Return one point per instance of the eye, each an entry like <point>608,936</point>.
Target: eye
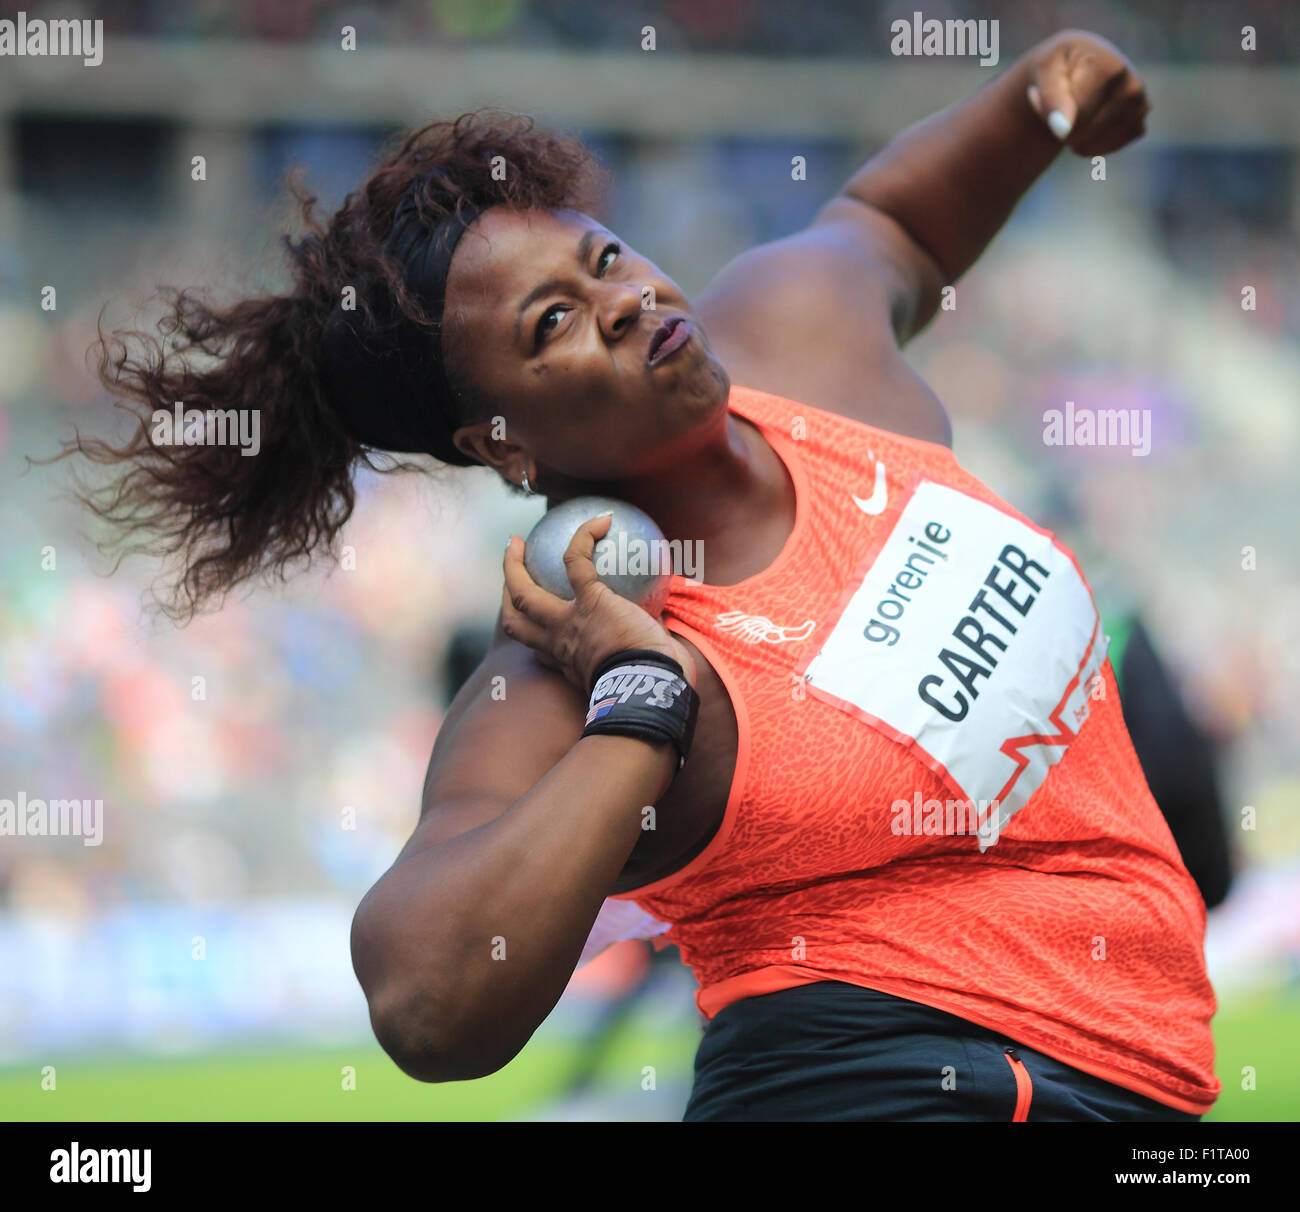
<point>544,328</point>
<point>605,252</point>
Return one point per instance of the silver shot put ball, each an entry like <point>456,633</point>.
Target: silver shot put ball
<point>632,559</point>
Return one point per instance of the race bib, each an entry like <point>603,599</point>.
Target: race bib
<point>973,638</point>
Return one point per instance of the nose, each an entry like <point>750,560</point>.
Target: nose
<point>619,309</point>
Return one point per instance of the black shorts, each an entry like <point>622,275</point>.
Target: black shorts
<point>835,1051</point>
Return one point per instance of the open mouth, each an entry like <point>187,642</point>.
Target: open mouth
<point>667,339</point>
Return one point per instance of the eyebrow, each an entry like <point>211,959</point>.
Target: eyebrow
<point>551,285</point>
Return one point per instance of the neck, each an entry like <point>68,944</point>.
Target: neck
<point>730,492</point>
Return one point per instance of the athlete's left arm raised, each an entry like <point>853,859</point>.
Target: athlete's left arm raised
<point>947,185</point>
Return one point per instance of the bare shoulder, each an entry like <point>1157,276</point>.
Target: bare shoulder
<point>820,317</point>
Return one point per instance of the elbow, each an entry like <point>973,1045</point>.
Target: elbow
<point>422,1048</point>
<point>415,1050</point>
<point>403,1018</point>
<point>422,1020</point>
<point>432,1038</point>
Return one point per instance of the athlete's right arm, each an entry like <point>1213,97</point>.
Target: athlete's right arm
<point>466,943</point>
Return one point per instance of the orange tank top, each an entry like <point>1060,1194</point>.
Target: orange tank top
<point>935,794</point>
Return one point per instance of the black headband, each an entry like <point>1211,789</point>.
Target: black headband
<point>389,387</point>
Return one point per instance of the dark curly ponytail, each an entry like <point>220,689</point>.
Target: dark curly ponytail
<point>225,517</point>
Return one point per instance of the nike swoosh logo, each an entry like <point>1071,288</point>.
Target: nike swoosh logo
<point>880,494</point>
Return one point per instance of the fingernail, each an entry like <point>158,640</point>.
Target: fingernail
<point>1060,124</point>
<point>609,513</point>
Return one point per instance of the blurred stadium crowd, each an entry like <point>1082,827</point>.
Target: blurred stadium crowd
<point>260,768</point>
<point>1160,29</point>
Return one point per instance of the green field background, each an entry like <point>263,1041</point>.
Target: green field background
<point>307,1085</point>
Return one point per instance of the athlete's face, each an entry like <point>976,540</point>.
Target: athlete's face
<point>554,320</point>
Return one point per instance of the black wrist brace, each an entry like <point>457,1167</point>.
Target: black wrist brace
<point>645,694</point>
